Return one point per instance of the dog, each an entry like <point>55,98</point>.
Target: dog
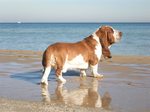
<point>80,55</point>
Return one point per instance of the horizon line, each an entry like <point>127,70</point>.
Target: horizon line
<point>19,22</point>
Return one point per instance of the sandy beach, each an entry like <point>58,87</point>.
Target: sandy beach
<point>124,88</point>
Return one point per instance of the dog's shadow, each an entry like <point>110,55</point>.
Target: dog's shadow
<point>35,76</point>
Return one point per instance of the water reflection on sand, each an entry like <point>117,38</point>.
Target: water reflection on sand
<point>86,94</point>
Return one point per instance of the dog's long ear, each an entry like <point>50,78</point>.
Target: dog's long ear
<point>104,42</point>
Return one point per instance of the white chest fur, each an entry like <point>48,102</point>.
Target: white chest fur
<point>98,51</point>
<point>98,47</point>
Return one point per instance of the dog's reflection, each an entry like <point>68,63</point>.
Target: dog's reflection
<point>86,95</point>
<point>45,93</point>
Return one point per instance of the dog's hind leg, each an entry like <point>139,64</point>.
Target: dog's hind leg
<point>59,75</point>
<point>46,73</point>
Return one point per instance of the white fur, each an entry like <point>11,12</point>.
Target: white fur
<point>94,70</point>
<point>77,62</point>
<point>61,79</point>
<point>116,35</point>
<point>98,49</point>
<point>96,37</point>
<point>82,73</point>
<point>45,75</point>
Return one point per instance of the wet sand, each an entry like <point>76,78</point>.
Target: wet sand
<point>124,88</point>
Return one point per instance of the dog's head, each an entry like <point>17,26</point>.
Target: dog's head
<point>108,36</point>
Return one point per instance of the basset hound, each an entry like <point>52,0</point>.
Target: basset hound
<point>79,55</point>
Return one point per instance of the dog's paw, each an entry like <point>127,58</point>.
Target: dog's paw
<point>61,79</point>
<point>82,74</point>
<point>98,76</point>
<point>44,82</point>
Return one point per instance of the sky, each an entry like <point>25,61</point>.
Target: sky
<point>75,10</point>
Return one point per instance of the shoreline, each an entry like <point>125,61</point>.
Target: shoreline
<point>119,58</point>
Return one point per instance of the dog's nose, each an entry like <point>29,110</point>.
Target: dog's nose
<point>120,34</point>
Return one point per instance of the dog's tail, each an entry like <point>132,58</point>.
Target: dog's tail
<point>45,59</point>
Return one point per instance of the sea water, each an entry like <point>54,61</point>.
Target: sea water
<point>38,36</point>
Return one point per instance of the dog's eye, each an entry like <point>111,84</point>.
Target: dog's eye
<point>110,31</point>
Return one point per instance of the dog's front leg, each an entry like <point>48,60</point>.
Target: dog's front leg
<point>82,73</point>
<point>94,69</point>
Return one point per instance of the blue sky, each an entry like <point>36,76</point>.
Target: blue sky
<point>75,10</point>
